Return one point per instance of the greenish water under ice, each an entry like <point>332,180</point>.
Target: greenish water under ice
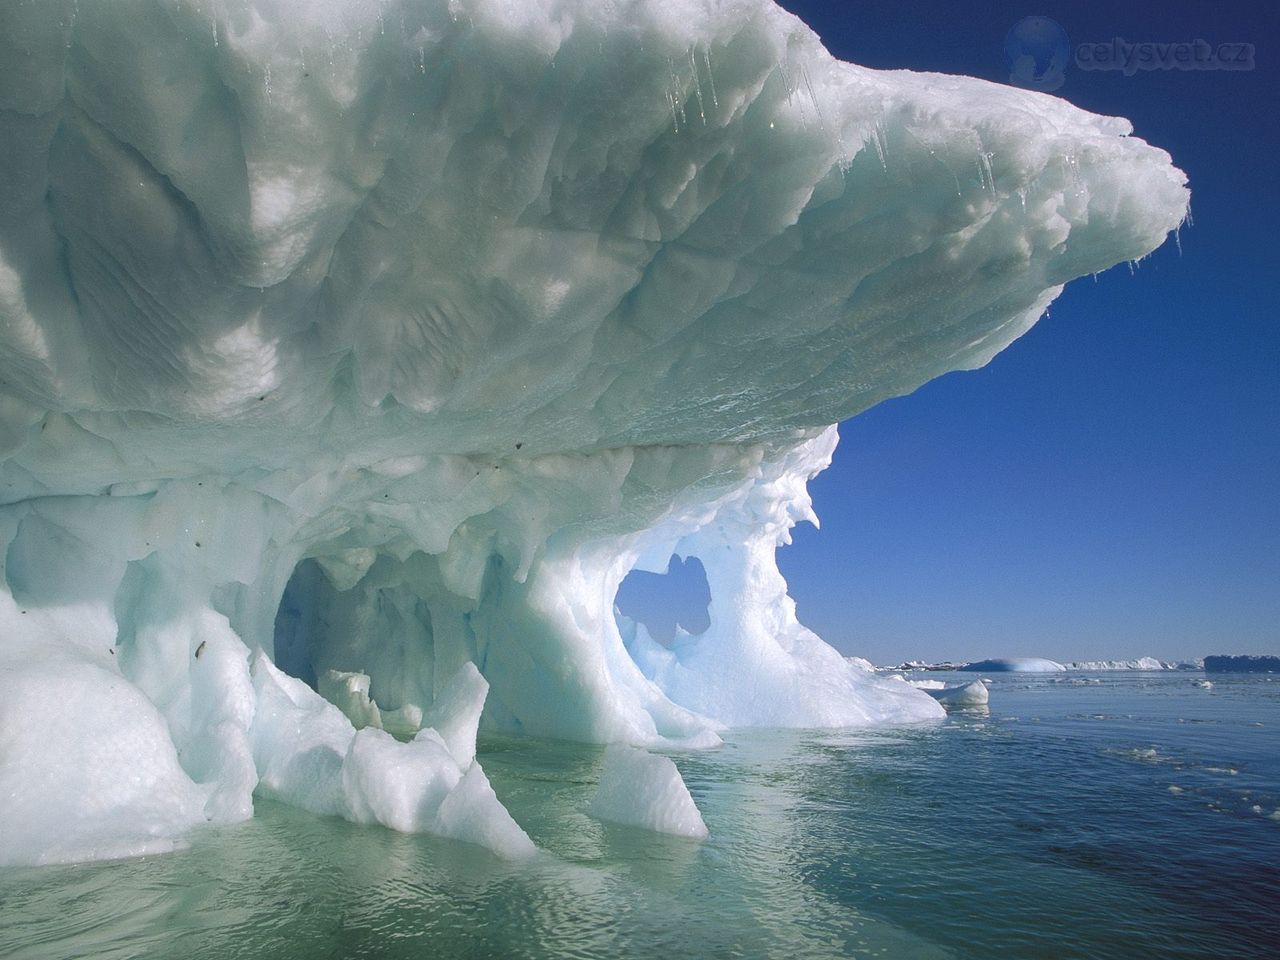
<point>1094,816</point>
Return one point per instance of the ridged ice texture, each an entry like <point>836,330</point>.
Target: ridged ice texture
<point>387,337</point>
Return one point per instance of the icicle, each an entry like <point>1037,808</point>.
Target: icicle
<point>877,140</point>
<point>985,173</point>
<point>676,100</point>
<point>808,85</point>
<point>711,80</point>
<point>697,87</point>
<point>786,80</point>
<point>1073,164</point>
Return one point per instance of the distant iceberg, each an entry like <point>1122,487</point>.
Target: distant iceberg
<point>1242,664</point>
<point>1014,665</point>
<point>1141,663</point>
<point>371,345</point>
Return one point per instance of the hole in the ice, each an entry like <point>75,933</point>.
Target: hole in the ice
<point>664,601</point>
<point>297,624</point>
<point>354,629</point>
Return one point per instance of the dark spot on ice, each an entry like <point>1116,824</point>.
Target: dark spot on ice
<point>197,543</point>
<point>264,397</point>
<point>519,445</point>
<point>24,611</point>
<point>200,649</point>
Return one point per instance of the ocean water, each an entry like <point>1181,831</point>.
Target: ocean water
<point>1088,816</point>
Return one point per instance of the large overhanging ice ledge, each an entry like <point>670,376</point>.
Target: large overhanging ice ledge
<point>371,345</point>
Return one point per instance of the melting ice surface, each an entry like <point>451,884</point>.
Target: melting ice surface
<point>382,340</point>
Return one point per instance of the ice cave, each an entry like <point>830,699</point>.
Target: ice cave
<point>352,352</point>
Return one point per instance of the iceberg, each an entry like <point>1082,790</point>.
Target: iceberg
<point>1014,665</point>
<point>1224,663</point>
<point>367,345</point>
<point>1140,663</point>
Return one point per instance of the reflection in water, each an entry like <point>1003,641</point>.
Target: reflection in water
<point>1046,829</point>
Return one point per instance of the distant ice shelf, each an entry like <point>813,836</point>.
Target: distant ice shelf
<point>365,347</point>
<point>1014,665</point>
<point>1140,663</point>
<point>1042,665</point>
<point>1221,663</point>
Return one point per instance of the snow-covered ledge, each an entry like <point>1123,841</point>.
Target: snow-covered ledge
<point>365,347</point>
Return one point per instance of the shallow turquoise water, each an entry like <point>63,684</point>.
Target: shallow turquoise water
<point>1138,816</point>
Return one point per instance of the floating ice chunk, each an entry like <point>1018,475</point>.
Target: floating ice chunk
<point>472,813</point>
<point>927,685</point>
<point>309,754</point>
<point>961,697</point>
<point>349,692</point>
<point>642,789</point>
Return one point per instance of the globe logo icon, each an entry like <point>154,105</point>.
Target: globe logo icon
<point>1037,51</point>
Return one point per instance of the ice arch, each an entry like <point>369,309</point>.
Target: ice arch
<point>476,304</point>
<point>668,602</point>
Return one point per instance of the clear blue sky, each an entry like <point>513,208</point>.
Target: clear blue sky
<point>1109,486</point>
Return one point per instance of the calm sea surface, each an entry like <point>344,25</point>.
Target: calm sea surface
<point>1091,816</point>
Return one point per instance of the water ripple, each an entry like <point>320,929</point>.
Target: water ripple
<point>1114,820</point>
